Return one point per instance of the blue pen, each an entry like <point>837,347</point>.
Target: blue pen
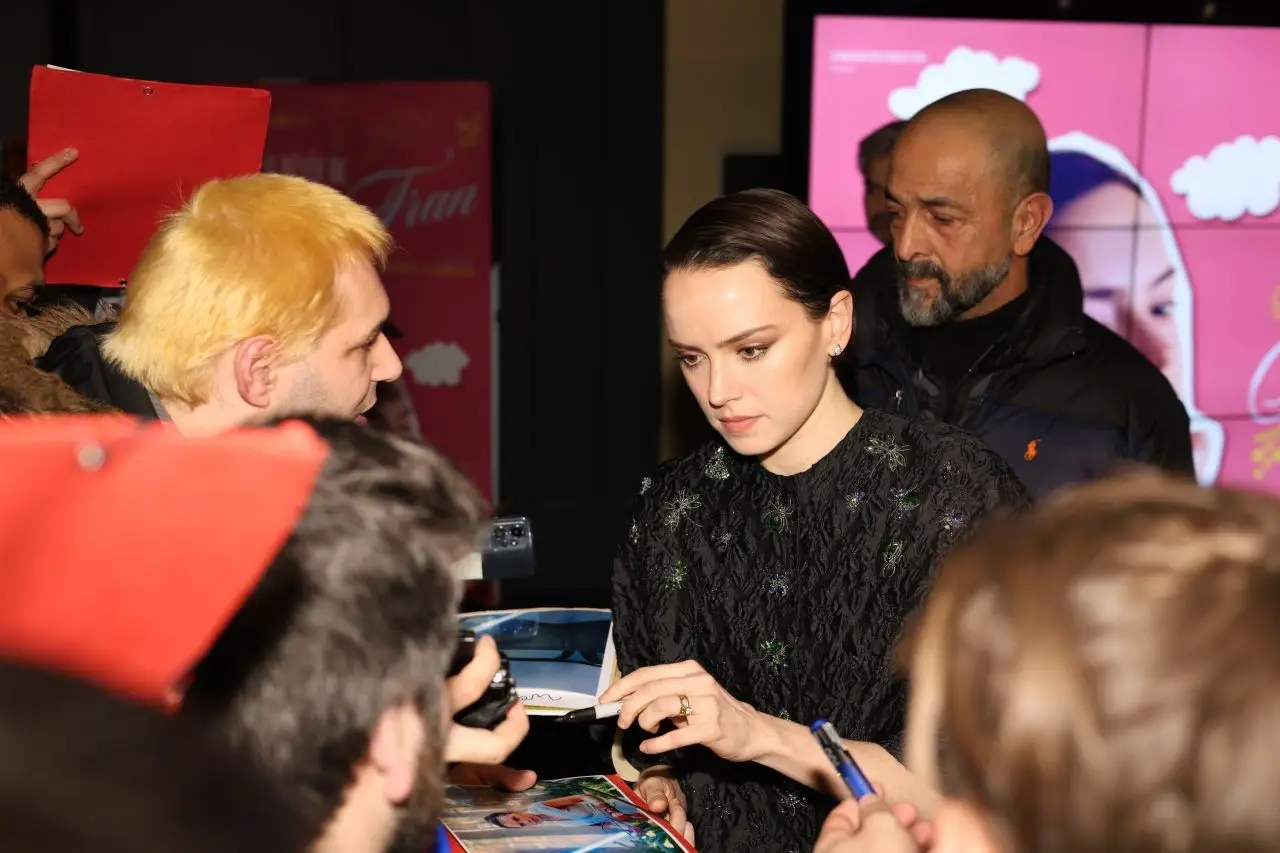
<point>848,769</point>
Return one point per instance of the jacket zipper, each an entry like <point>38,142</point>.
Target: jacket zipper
<point>959,401</point>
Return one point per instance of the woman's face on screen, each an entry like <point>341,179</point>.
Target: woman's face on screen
<point>1130,280</point>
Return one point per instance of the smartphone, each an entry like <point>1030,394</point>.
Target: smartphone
<point>508,549</point>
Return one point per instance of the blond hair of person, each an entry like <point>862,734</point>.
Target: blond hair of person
<point>244,257</point>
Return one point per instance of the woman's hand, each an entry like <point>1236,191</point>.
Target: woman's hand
<point>699,707</point>
<point>662,796</point>
<point>873,826</point>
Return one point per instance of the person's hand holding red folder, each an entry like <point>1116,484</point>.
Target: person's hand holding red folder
<point>62,216</point>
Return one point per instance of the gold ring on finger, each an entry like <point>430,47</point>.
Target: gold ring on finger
<point>685,708</point>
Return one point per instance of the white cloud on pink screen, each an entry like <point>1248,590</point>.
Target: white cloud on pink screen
<point>965,68</point>
<point>1237,177</point>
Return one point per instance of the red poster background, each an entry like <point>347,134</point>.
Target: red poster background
<point>417,154</point>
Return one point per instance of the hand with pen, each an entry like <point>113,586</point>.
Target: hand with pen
<point>871,825</point>
<point>866,821</point>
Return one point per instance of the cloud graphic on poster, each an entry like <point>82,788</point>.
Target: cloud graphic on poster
<point>1236,178</point>
<point>965,68</point>
<point>437,364</point>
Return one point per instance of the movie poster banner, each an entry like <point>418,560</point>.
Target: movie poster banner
<point>417,154</point>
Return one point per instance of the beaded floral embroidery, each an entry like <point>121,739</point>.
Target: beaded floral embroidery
<point>893,455</point>
<point>680,508</point>
<point>953,520</point>
<point>893,555</point>
<point>774,653</point>
<point>777,517</point>
<point>717,468</point>
<point>905,500</point>
<point>673,577</point>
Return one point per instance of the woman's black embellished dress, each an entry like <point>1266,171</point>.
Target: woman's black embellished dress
<point>792,592</point>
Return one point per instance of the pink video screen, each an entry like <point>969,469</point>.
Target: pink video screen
<point>1165,161</point>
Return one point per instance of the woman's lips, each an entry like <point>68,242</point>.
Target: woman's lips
<point>738,426</point>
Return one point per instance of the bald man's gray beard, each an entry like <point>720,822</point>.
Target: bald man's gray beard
<point>955,295</point>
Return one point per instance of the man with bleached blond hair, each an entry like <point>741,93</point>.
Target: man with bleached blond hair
<point>259,298</point>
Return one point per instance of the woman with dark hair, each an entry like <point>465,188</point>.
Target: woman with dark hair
<point>766,576</point>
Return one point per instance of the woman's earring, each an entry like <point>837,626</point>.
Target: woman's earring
<point>835,353</point>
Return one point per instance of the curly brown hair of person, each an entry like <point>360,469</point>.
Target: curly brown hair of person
<point>25,388</point>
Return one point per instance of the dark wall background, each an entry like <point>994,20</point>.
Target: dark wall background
<point>578,135</point>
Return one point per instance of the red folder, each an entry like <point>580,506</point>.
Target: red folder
<point>144,147</point>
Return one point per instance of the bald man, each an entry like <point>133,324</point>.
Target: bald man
<point>973,318</point>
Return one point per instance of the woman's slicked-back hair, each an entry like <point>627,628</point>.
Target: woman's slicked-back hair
<point>773,229</point>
